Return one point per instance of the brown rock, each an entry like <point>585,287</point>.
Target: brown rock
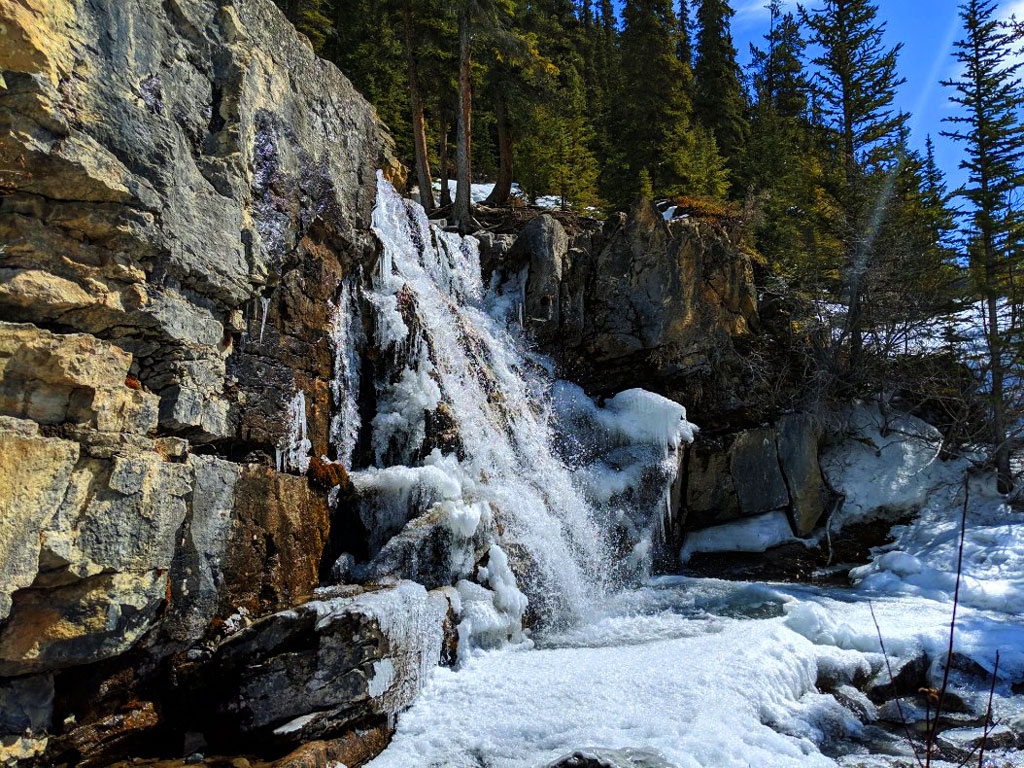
<point>279,529</point>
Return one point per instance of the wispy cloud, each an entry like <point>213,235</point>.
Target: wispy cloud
<point>755,11</point>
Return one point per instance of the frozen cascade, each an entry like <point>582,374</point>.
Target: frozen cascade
<point>346,335</point>
<point>294,455</point>
<point>456,353</point>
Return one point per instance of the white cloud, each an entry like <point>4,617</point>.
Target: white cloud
<point>751,11</point>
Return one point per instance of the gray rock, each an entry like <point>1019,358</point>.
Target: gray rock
<point>197,578</point>
<point>710,492</point>
<point>542,246</point>
<point>26,704</point>
<point>34,476</point>
<point>798,441</point>
<point>909,673</point>
<point>612,758</point>
<point>754,465</point>
<point>640,302</point>
<point>308,672</point>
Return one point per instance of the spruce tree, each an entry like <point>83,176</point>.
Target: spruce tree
<point>857,83</point>
<point>650,123</point>
<point>990,94</point>
<point>685,38</point>
<point>719,102</point>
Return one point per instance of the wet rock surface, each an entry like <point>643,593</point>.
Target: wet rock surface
<point>611,758</point>
<point>185,186</point>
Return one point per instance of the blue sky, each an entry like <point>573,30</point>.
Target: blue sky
<point>927,29</point>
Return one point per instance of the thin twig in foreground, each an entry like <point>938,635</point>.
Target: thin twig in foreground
<point>892,682</point>
<point>988,714</point>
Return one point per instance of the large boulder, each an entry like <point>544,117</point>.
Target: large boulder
<point>315,670</point>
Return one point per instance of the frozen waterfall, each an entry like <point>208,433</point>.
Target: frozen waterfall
<point>504,480</point>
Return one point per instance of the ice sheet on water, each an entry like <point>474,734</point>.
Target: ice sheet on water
<point>706,690</point>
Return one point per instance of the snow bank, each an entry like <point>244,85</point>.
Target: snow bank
<point>922,559</point>
<point>752,534</point>
<point>883,475</point>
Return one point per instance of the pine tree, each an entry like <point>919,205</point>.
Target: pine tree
<point>719,102</point>
<point>857,83</point>
<point>685,38</point>
<point>989,128</point>
<point>650,123</point>
<point>310,18</point>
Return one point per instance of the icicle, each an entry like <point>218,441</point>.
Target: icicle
<point>265,301</point>
<point>346,334</point>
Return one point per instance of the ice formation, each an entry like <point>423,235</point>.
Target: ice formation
<point>346,335</point>
<point>448,358</point>
<point>294,454</point>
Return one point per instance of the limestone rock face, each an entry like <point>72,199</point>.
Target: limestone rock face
<point>191,188</point>
<point>185,187</point>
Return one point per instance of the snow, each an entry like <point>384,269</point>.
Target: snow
<point>752,534</point>
<point>885,468</point>
<point>638,416</point>
<point>922,559</point>
<point>708,673</point>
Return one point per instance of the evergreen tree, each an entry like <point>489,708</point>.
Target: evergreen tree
<point>989,128</point>
<point>650,124</point>
<point>310,18</point>
<point>719,102</point>
<point>685,38</point>
<point>857,83</point>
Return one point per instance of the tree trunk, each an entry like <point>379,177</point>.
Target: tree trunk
<point>462,150</point>
<point>446,192</point>
<point>503,188</point>
<point>419,128</point>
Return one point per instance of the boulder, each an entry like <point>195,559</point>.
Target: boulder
<point>756,474</point>
<point>313,671</point>
<point>612,758</point>
<point>798,441</point>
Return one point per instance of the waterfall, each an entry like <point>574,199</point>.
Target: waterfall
<point>502,465</point>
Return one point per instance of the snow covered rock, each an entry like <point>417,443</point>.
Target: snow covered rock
<point>884,465</point>
<point>612,758</point>
<point>312,671</point>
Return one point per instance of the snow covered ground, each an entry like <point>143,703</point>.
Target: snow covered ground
<point>709,673</point>
<point>720,674</point>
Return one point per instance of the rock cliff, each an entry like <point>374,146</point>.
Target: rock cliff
<point>184,187</point>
